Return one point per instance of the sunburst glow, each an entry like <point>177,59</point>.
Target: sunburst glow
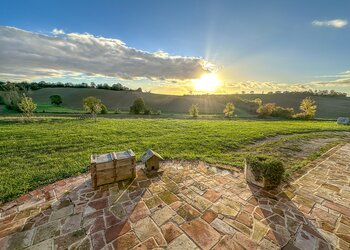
<point>207,83</point>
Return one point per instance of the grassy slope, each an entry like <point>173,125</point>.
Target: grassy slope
<point>33,154</point>
<point>328,107</point>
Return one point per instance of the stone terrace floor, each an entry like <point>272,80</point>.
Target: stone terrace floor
<point>187,206</point>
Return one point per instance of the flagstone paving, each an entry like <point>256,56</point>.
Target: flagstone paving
<point>187,206</point>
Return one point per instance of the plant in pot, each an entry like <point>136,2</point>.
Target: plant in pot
<point>263,171</point>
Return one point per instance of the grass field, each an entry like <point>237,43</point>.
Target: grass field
<point>43,151</point>
<point>328,106</point>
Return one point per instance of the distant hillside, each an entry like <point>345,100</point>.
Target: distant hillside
<point>328,106</point>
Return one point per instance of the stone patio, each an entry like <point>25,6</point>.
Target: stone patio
<point>187,206</point>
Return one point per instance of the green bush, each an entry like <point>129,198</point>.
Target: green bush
<point>117,111</point>
<point>283,112</point>
<point>147,112</point>
<point>266,167</point>
<point>104,109</point>
<point>138,106</point>
<point>56,100</point>
<point>194,110</point>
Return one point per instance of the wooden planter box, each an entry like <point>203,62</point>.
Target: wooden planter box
<point>112,167</point>
<point>249,176</point>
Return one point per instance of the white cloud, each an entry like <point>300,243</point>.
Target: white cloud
<point>58,32</point>
<point>35,55</point>
<point>335,23</point>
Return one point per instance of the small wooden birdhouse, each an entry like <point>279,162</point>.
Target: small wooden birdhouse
<point>151,160</point>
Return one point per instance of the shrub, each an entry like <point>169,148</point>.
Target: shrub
<point>266,167</point>
<point>11,99</point>
<point>1,100</point>
<point>117,111</point>
<point>92,105</point>
<point>194,110</point>
<point>158,112</point>
<point>138,106</point>
<point>283,112</point>
<point>27,106</point>
<point>104,109</point>
<point>266,110</point>
<point>147,112</point>
<point>56,100</point>
<point>229,110</point>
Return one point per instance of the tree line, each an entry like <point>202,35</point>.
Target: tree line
<point>307,108</point>
<point>26,86</point>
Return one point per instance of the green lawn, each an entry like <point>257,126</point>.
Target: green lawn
<point>49,108</point>
<point>41,152</point>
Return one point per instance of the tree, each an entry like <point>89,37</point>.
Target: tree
<point>138,106</point>
<point>12,98</point>
<point>229,110</point>
<point>92,105</point>
<point>258,101</point>
<point>194,110</point>
<point>27,106</point>
<point>56,100</point>
<point>308,107</point>
<point>266,110</point>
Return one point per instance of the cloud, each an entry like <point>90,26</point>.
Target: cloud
<point>335,23</point>
<point>58,32</point>
<point>34,55</point>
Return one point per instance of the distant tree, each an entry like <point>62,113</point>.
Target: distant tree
<point>194,110</point>
<point>229,110</point>
<point>12,98</point>
<point>138,106</point>
<point>104,109</point>
<point>147,111</point>
<point>117,111</point>
<point>27,106</point>
<point>92,105</point>
<point>258,101</point>
<point>266,110</point>
<point>138,90</point>
<point>56,100</point>
<point>308,108</point>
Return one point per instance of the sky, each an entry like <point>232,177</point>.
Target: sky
<point>166,46</point>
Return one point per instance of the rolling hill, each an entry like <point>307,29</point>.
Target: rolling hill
<point>328,106</point>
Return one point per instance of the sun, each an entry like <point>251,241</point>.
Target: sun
<point>207,83</point>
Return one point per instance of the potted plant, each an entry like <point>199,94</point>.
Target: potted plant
<point>263,171</point>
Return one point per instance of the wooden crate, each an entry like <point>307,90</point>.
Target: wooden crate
<point>112,167</point>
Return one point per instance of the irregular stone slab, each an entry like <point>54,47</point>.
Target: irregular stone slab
<point>170,232</point>
<point>201,203</point>
<point>223,209</point>
<point>62,213</point>
<point>168,197</point>
<point>72,223</point>
<point>212,195</point>
<point>153,202</point>
<point>222,227</point>
<point>209,216</point>
<point>163,215</point>
<point>146,228</point>
<point>187,212</point>
<point>259,230</point>
<point>113,232</point>
<point>44,245</point>
<point>64,241</point>
<point>201,233</point>
<point>126,241</point>
<point>140,211</point>
<point>182,243</point>
<point>21,240</point>
<point>47,231</point>
<point>228,242</point>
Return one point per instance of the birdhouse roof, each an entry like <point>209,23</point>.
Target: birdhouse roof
<point>148,154</point>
